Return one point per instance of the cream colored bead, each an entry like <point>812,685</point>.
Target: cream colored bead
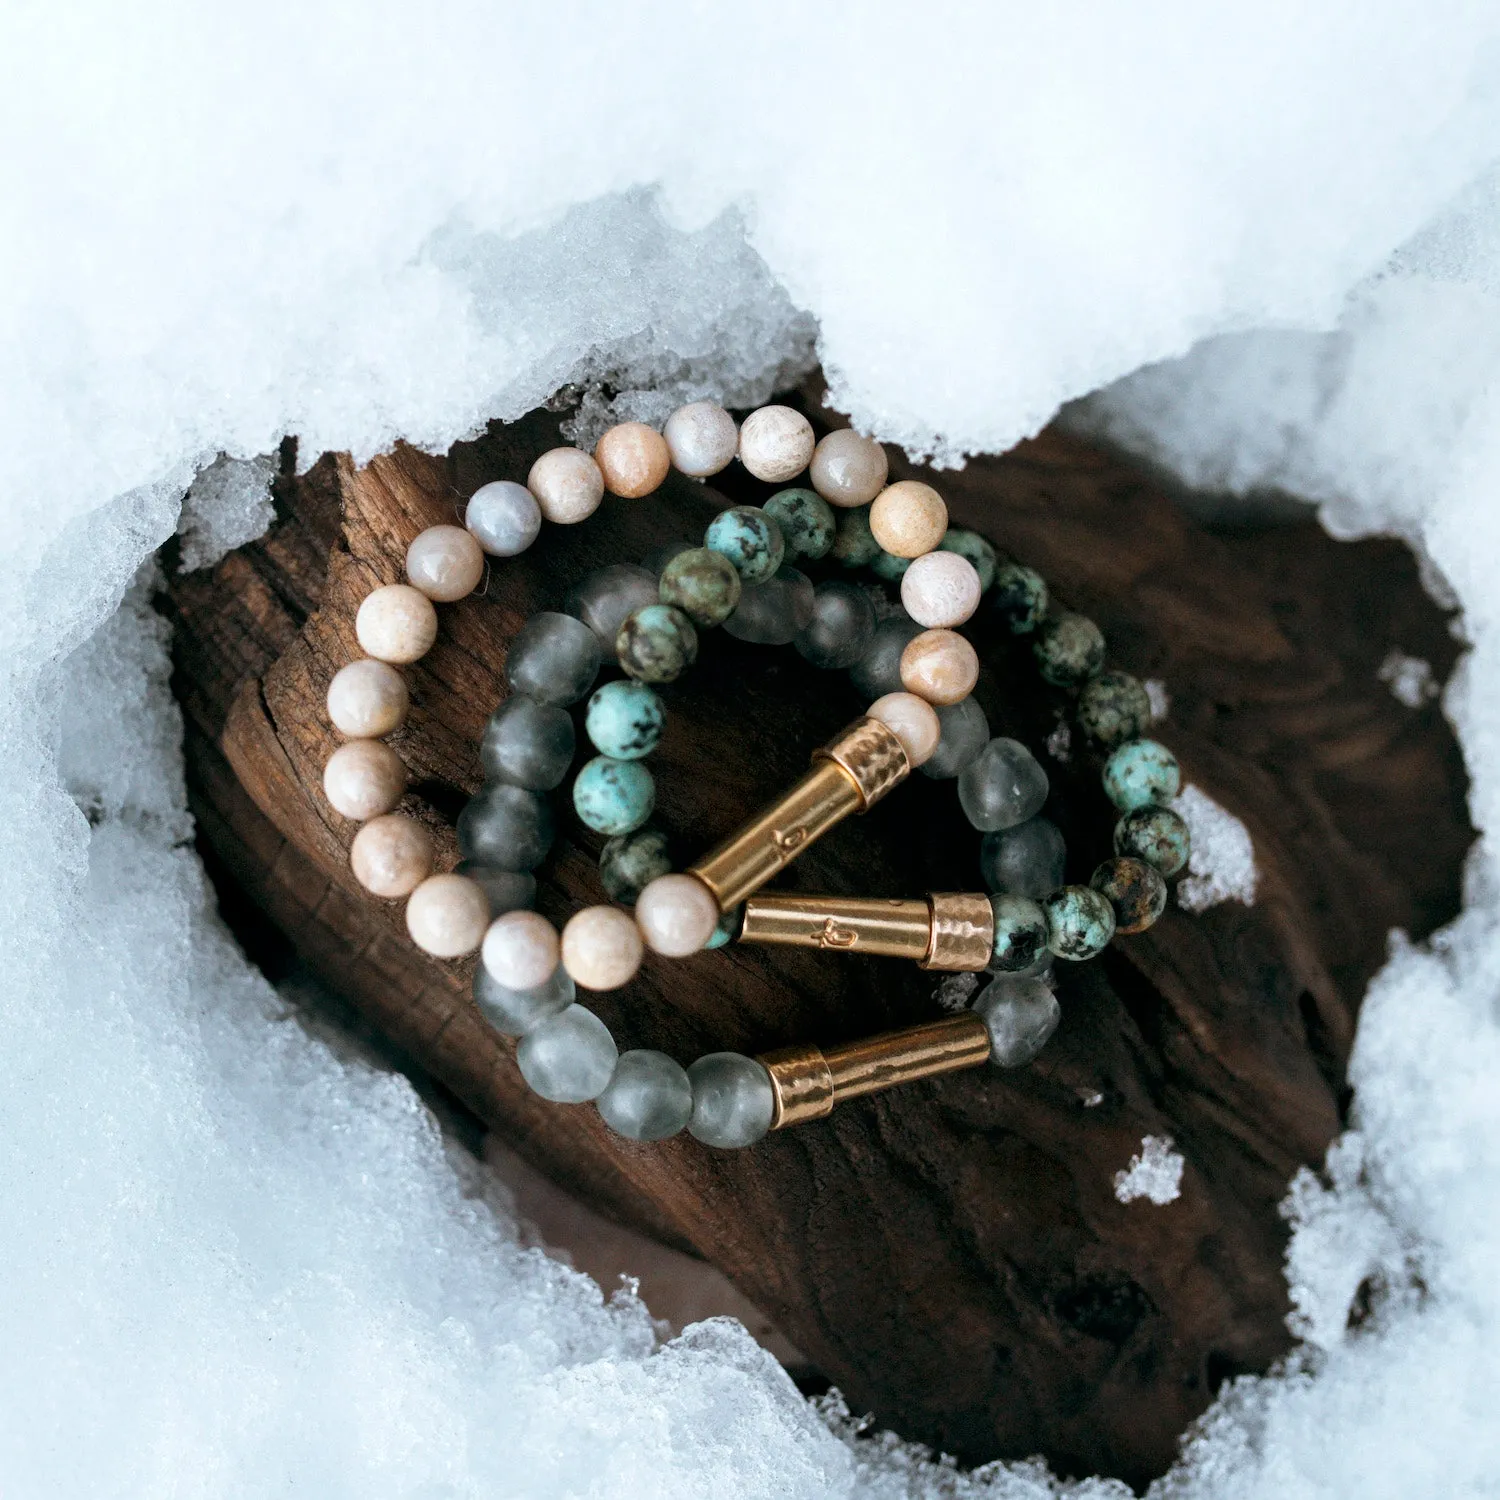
<point>364,779</point>
<point>913,721</point>
<point>520,950</point>
<point>677,914</point>
<point>633,459</point>
<point>940,589</point>
<point>367,699</point>
<point>702,438</point>
<point>396,623</point>
<point>446,915</point>
<point>601,948</point>
<point>567,485</point>
<point>445,563</point>
<point>776,443</point>
<point>848,469</point>
<point>391,856</point>
<point>940,666</point>
<point>908,518</point>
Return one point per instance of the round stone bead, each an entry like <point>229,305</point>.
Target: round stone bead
<point>889,568</point>
<point>396,623</point>
<point>878,671</point>
<point>979,552</point>
<point>776,443</point>
<point>940,666</point>
<point>848,469</point>
<point>614,796</point>
<point>677,915</point>
<point>569,1058</point>
<point>703,584</point>
<point>1002,786</point>
<point>1080,922</point>
<point>727,928</point>
<point>1137,893</point>
<point>1020,597</point>
<point>367,699</point>
<point>604,599</point>
<point>506,890</point>
<point>1069,649</point>
<point>506,828</point>
<point>520,950</point>
<point>649,1097</point>
<point>940,590</point>
<point>964,733</point>
<point>364,779</point>
<point>841,628</point>
<point>629,863</point>
<point>445,563</point>
<point>446,915</point>
<point>527,743</point>
<point>633,459</point>
<point>391,855</point>
<point>567,485</point>
<point>554,658</point>
<point>515,1012</point>
<point>854,544</point>
<point>1156,835</point>
<point>602,947</point>
<point>1020,933</point>
<point>656,560</point>
<point>1026,860</point>
<point>657,643</point>
<point>1113,708</point>
<point>1141,773</point>
<point>912,720</point>
<point>1020,1015</point>
<point>701,438</point>
<point>774,612</point>
<point>807,523</point>
<point>908,518</point>
<point>504,517</point>
<point>750,539</point>
<point>733,1101</point>
<point>625,720</point>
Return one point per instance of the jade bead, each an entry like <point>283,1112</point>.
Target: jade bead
<point>1113,708</point>
<point>889,567</point>
<point>1137,893</point>
<point>625,720</point>
<point>703,584</point>
<point>971,545</point>
<point>1020,1015</point>
<point>1020,597</point>
<point>1080,922</point>
<point>1141,773</point>
<point>657,643</point>
<point>629,863</point>
<point>750,539</point>
<point>614,796</point>
<point>1069,649</point>
<point>1020,933</point>
<point>854,545</point>
<point>807,522</point>
<point>1156,835</point>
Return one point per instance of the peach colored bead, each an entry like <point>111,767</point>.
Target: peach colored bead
<point>446,915</point>
<point>601,948</point>
<point>940,666</point>
<point>677,915</point>
<point>567,485</point>
<point>391,855</point>
<point>940,589</point>
<point>908,518</point>
<point>848,469</point>
<point>913,721</point>
<point>445,563</point>
<point>633,459</point>
<point>364,779</point>
<point>367,699</point>
<point>702,438</point>
<point>520,950</point>
<point>396,623</point>
<point>776,443</point>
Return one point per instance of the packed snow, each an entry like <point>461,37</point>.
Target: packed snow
<point>1409,678</point>
<point>1221,866</point>
<point>1154,1173</point>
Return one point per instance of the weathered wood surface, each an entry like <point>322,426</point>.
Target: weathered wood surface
<point>951,1255</point>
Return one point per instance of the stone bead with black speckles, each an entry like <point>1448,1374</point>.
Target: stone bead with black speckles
<point>614,796</point>
<point>1020,933</point>
<point>703,584</point>
<point>1137,893</point>
<point>854,544</point>
<point>629,862</point>
<point>971,545</point>
<point>1080,922</point>
<point>807,523</point>
<point>890,568</point>
<point>1020,597</point>
<point>1113,708</point>
<point>657,643</point>
<point>625,720</point>
<point>1141,773</point>
<point>728,928</point>
<point>1069,649</point>
<point>1156,835</point>
<point>750,539</point>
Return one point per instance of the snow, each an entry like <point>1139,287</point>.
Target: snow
<point>1408,677</point>
<point>1154,1173</point>
<point>1221,866</point>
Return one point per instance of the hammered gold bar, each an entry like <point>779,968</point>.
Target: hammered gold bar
<point>950,932</point>
<point>850,773</point>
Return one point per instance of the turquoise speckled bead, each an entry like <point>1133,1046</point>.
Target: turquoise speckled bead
<point>614,796</point>
<point>1141,773</point>
<point>1020,933</point>
<point>630,862</point>
<point>1020,597</point>
<point>973,546</point>
<point>890,567</point>
<point>1069,649</point>
<point>806,520</point>
<point>1113,708</point>
<point>1156,835</point>
<point>1137,893</point>
<point>855,546</point>
<point>1080,922</point>
<point>750,539</point>
<point>703,584</point>
<point>657,643</point>
<point>625,720</point>
<point>728,928</point>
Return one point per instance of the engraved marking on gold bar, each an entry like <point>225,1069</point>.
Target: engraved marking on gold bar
<point>963,933</point>
<point>895,1057</point>
<point>893,929</point>
<point>801,1083</point>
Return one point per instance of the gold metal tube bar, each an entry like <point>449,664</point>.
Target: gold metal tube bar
<point>951,932</point>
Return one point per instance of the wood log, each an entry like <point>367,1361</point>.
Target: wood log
<point>952,1255</point>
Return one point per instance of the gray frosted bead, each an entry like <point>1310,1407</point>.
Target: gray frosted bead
<point>503,517</point>
<point>1002,786</point>
<point>515,1012</point>
<point>649,1098</point>
<point>506,828</point>
<point>1021,1015</point>
<point>1026,860</point>
<point>629,863</point>
<point>527,743</point>
<point>841,628</point>
<point>554,658</point>
<point>568,1058</point>
<point>607,595</point>
<point>878,671</point>
<point>771,613</point>
<point>966,732</point>
<point>732,1100</point>
<point>508,890</point>
<point>656,561</point>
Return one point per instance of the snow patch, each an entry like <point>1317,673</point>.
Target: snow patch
<point>1409,678</point>
<point>1155,1173</point>
<point>1222,864</point>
